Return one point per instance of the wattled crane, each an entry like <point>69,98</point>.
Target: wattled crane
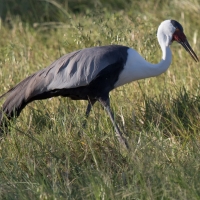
<point>91,73</point>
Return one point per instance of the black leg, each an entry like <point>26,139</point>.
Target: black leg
<point>106,104</point>
<point>89,107</point>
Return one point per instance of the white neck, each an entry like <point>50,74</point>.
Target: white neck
<point>138,68</point>
<point>163,65</point>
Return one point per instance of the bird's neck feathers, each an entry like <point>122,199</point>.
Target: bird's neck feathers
<point>151,70</point>
<point>137,67</point>
<point>165,42</point>
<point>165,62</point>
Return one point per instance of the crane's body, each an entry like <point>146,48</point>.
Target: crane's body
<point>91,73</point>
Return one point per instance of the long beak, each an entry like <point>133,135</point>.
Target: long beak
<point>189,49</point>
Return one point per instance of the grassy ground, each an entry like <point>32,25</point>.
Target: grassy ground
<point>47,154</point>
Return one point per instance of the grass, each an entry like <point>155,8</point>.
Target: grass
<point>47,154</point>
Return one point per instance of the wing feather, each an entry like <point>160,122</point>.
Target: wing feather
<point>81,67</point>
<point>72,70</point>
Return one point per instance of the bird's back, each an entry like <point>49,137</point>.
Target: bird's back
<point>81,67</point>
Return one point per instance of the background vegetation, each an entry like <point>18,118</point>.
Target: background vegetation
<point>47,154</point>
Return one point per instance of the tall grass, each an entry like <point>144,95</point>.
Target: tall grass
<point>47,155</point>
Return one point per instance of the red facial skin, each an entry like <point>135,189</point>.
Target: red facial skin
<point>179,36</point>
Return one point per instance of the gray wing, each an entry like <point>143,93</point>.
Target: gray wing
<point>81,67</point>
<point>72,70</point>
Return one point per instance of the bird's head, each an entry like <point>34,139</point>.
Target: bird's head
<point>171,30</point>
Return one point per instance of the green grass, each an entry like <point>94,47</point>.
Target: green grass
<point>47,154</point>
